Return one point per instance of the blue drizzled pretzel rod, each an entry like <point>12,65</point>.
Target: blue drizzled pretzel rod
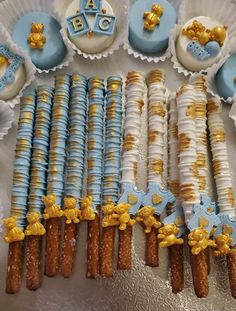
<point>55,178</point>
<point>111,175</point>
<point>91,204</point>
<point>74,170</point>
<point>38,184</point>
<point>16,223</point>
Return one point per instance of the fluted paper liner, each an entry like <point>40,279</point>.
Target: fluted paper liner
<point>12,10</point>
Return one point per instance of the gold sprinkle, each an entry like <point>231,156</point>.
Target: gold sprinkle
<point>157,109</point>
<point>201,160</point>
<point>230,195</point>
<point>212,106</point>
<point>218,135</point>
<point>152,136</point>
<point>191,111</point>
<point>129,142</point>
<point>157,166</point>
<point>184,142</point>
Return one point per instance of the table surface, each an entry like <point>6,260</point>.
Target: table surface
<point>143,288</point>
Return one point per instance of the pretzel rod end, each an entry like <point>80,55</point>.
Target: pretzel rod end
<point>199,268</point>
<point>152,249</point>
<point>93,248</point>
<point>107,252</point>
<point>68,250</point>
<point>52,248</point>
<point>33,262</point>
<point>231,263</point>
<point>14,267</point>
<point>176,253</point>
<point>125,249</point>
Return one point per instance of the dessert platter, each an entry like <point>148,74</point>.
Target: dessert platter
<point>117,143</point>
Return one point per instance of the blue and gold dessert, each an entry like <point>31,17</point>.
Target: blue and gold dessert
<point>150,22</point>
<point>91,25</point>
<point>201,43</point>
<point>12,73</point>
<point>225,79</point>
<point>39,34</point>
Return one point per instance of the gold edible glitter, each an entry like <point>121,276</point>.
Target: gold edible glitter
<point>191,111</point>
<point>201,160</point>
<point>152,136</point>
<point>129,142</point>
<point>157,166</point>
<point>157,109</point>
<point>184,141</point>
<point>230,195</point>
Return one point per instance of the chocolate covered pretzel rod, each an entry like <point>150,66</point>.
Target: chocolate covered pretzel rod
<point>38,184</point>
<point>176,262</point>
<point>90,205</point>
<point>15,224</point>
<point>111,175</point>
<point>224,236</point>
<point>74,170</point>
<point>131,199</point>
<point>156,199</point>
<point>55,179</point>
<point>198,220</point>
<point>201,136</point>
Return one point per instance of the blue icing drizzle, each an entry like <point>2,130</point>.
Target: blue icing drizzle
<point>54,50</point>
<point>150,41</point>
<point>21,171</point>
<point>96,92</point>
<point>166,196</point>
<point>130,189</point>
<point>15,62</point>
<point>224,79</point>
<point>112,146</point>
<point>174,218</point>
<point>39,161</point>
<point>77,132</point>
<point>225,220</point>
<point>58,136</point>
<point>201,213</point>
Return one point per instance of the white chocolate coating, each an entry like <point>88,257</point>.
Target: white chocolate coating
<point>135,90</point>
<point>13,89</point>
<point>173,150</point>
<point>97,43</point>
<point>201,131</point>
<point>157,117</point>
<point>220,158</point>
<point>187,149</point>
<point>186,58</point>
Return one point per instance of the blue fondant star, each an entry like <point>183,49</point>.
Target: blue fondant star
<point>177,218</point>
<point>203,218</point>
<point>225,220</point>
<point>132,196</point>
<point>157,198</point>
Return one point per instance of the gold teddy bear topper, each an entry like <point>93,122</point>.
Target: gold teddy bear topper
<point>152,19</point>
<point>36,38</point>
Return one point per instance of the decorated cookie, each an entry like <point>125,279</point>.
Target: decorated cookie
<point>150,22</point>
<point>201,43</point>
<point>39,34</point>
<point>225,79</point>
<point>12,73</point>
<point>91,25</point>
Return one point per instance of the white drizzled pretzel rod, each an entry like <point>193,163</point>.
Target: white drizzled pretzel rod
<point>131,199</point>
<point>189,187</point>
<point>225,234</point>
<point>175,251</point>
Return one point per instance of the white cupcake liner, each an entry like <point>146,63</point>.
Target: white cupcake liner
<point>155,58</point>
<point>12,10</point>
<point>29,67</point>
<point>6,121</point>
<point>178,66</point>
<point>120,9</point>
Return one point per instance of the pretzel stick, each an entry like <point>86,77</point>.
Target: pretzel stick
<point>96,90</point>
<point>152,247</point>
<point>111,172</point>
<point>14,267</point>
<point>74,170</point>
<point>225,243</point>
<point>189,188</point>
<point>131,199</point>
<point>35,230</point>
<point>55,179</point>
<point>16,223</point>
<point>176,260</point>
